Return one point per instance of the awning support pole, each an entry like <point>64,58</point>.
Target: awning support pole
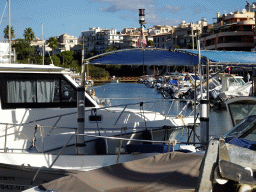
<point>195,99</point>
<point>204,113</point>
<point>80,120</point>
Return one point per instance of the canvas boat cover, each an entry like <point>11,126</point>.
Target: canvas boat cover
<point>183,57</point>
<point>173,171</point>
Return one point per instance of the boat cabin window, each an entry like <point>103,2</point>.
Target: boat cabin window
<point>236,82</point>
<point>245,129</point>
<point>37,91</point>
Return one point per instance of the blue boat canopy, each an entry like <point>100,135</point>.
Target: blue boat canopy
<point>159,57</point>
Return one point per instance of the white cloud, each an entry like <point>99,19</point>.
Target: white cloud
<point>131,5</point>
<point>152,11</point>
<point>171,8</point>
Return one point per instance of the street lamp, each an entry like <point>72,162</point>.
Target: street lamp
<point>142,21</point>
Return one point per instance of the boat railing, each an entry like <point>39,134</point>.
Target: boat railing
<point>153,102</point>
<point>150,105</point>
<point>169,143</point>
<point>123,130</point>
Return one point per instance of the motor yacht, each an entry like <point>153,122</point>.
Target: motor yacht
<point>39,120</point>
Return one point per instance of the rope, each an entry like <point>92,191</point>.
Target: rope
<point>172,142</point>
<point>3,12</point>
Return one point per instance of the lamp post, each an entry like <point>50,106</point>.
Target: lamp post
<point>142,21</point>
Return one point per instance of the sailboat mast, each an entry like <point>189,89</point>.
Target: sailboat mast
<point>9,32</point>
<point>43,42</point>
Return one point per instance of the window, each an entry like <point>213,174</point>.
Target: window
<point>38,91</point>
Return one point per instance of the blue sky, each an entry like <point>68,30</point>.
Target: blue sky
<point>74,16</point>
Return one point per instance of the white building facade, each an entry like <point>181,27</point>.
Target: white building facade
<point>100,39</point>
<point>4,52</point>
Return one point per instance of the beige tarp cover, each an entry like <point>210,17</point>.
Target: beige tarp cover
<point>173,171</point>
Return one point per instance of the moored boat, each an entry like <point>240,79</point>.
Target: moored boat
<point>40,118</point>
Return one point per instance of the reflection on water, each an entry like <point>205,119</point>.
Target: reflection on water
<point>126,93</point>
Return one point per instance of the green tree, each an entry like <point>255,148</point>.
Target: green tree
<point>53,42</point>
<point>29,36</point>
<point>75,65</point>
<point>98,71</point>
<point>52,59</point>
<point>66,57</point>
<point>6,32</point>
<point>111,48</point>
<point>22,49</point>
<point>177,47</point>
<point>150,43</point>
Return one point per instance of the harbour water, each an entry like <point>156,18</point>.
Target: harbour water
<point>125,93</point>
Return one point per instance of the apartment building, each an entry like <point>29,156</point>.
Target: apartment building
<point>159,29</point>
<point>131,36</point>
<point>184,36</point>
<point>162,40</point>
<point>100,39</point>
<point>233,31</point>
<point>106,38</point>
<point>39,44</point>
<point>65,43</point>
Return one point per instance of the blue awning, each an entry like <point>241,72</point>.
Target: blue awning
<point>166,57</point>
<point>235,57</point>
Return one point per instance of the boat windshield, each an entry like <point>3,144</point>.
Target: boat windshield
<point>245,129</point>
<point>236,82</point>
<point>241,110</point>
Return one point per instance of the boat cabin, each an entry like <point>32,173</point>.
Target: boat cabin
<point>38,86</point>
<point>231,82</point>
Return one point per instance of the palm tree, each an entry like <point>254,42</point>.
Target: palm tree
<point>53,42</point>
<point>6,32</point>
<point>29,36</point>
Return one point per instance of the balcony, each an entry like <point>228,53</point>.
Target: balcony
<point>235,33</point>
<point>235,44</point>
<point>210,47</point>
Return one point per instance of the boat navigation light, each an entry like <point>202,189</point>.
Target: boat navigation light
<point>141,15</point>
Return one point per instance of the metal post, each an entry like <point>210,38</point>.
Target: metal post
<point>83,51</point>
<point>5,138</point>
<point>200,69</point>
<point>143,61</point>
<point>43,42</point>
<point>83,73</point>
<point>204,117</point>
<point>253,82</point>
<point>192,38</point>
<point>9,32</point>
<point>250,94</point>
<point>87,69</point>
<point>80,120</point>
<point>195,99</point>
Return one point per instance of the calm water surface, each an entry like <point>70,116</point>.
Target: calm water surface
<point>219,119</point>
